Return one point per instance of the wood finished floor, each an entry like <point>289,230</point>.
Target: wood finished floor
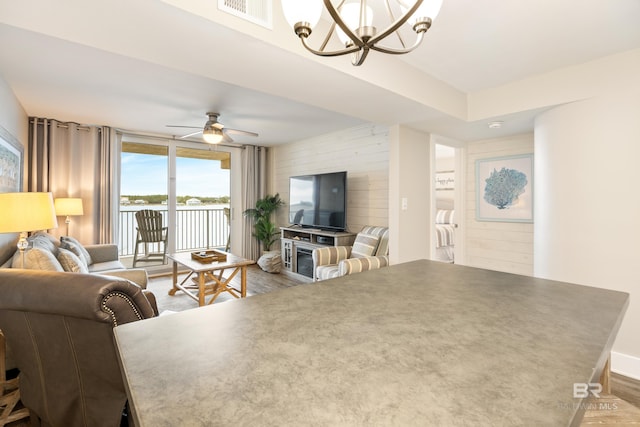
<point>621,408</point>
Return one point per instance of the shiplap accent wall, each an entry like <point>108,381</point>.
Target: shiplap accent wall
<point>362,151</point>
<point>502,246</point>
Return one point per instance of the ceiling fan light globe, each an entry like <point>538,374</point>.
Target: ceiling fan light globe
<point>307,11</point>
<point>212,135</point>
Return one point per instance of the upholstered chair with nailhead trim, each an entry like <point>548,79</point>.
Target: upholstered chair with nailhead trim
<point>59,327</point>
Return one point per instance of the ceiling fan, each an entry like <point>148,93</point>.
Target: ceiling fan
<point>214,132</point>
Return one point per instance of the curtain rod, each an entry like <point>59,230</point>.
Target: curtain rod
<point>60,125</point>
<point>65,125</point>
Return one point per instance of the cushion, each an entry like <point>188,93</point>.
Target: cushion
<point>74,246</point>
<point>325,272</point>
<point>444,216</point>
<point>37,259</point>
<point>358,265</point>
<point>364,245</point>
<point>43,241</point>
<point>71,262</point>
<point>383,235</point>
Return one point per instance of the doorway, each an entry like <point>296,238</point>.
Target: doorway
<point>447,200</point>
<point>191,184</point>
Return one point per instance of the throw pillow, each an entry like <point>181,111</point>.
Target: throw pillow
<point>37,259</point>
<point>41,241</point>
<point>74,246</point>
<point>444,216</point>
<point>365,245</point>
<point>71,262</point>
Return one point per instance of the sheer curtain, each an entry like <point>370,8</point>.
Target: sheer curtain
<point>72,160</point>
<point>254,160</point>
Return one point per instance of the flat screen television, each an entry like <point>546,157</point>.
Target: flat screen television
<point>319,201</point>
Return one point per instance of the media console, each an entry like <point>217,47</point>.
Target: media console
<point>299,242</point>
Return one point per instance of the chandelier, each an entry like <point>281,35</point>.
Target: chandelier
<point>353,23</point>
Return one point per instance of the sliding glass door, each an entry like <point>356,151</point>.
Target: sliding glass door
<point>190,183</point>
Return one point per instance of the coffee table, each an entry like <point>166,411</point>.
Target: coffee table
<point>209,276</point>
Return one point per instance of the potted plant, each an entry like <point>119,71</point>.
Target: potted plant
<point>266,231</point>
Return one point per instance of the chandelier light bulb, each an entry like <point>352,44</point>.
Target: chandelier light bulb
<point>302,11</point>
<point>350,14</point>
<point>428,9</point>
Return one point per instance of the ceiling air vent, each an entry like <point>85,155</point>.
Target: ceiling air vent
<point>256,11</point>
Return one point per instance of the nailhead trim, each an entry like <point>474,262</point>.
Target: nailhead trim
<point>126,298</point>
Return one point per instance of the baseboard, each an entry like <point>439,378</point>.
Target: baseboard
<point>626,365</point>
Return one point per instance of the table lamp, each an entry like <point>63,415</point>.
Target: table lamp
<point>69,207</point>
<point>24,212</point>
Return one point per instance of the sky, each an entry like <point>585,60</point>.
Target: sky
<point>145,174</point>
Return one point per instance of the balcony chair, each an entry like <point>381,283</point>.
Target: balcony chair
<point>59,327</point>
<point>150,232</point>
<point>370,251</point>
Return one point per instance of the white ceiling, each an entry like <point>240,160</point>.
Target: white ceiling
<point>146,64</point>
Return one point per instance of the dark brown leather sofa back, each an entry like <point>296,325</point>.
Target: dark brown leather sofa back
<point>60,329</point>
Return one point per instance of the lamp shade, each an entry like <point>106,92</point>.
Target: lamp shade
<point>68,206</point>
<point>20,212</point>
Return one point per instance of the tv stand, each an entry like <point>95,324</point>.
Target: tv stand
<point>298,243</point>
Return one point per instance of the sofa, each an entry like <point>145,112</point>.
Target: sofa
<point>59,326</point>
<point>370,251</point>
<point>45,252</point>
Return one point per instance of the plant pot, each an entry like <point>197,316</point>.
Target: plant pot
<point>270,261</point>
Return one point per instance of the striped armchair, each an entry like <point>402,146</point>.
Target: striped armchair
<point>370,251</point>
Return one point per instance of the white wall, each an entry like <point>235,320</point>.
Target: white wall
<point>13,118</point>
<point>501,246</point>
<point>410,179</point>
<point>362,151</point>
<point>587,205</point>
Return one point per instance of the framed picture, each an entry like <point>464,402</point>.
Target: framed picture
<point>10,163</point>
<point>445,180</point>
<point>504,189</point>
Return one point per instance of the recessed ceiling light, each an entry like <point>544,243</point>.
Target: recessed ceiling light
<point>495,125</point>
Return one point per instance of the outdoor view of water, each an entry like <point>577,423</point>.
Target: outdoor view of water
<point>137,207</point>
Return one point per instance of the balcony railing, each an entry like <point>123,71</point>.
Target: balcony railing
<point>197,228</point>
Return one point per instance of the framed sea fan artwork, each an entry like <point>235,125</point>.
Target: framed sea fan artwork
<point>504,189</point>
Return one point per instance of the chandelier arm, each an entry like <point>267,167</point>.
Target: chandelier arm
<point>359,57</point>
<point>328,36</point>
<point>332,53</point>
<point>338,20</point>
<point>392,18</point>
<point>398,51</point>
<point>394,26</point>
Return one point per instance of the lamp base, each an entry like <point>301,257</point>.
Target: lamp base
<point>22,246</point>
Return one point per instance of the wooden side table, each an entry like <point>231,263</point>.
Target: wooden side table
<point>10,410</point>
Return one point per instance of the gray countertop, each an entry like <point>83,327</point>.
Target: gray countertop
<point>421,343</point>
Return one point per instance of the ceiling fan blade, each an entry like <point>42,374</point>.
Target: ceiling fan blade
<point>226,138</point>
<point>191,134</point>
<point>240,132</point>
<point>180,126</point>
